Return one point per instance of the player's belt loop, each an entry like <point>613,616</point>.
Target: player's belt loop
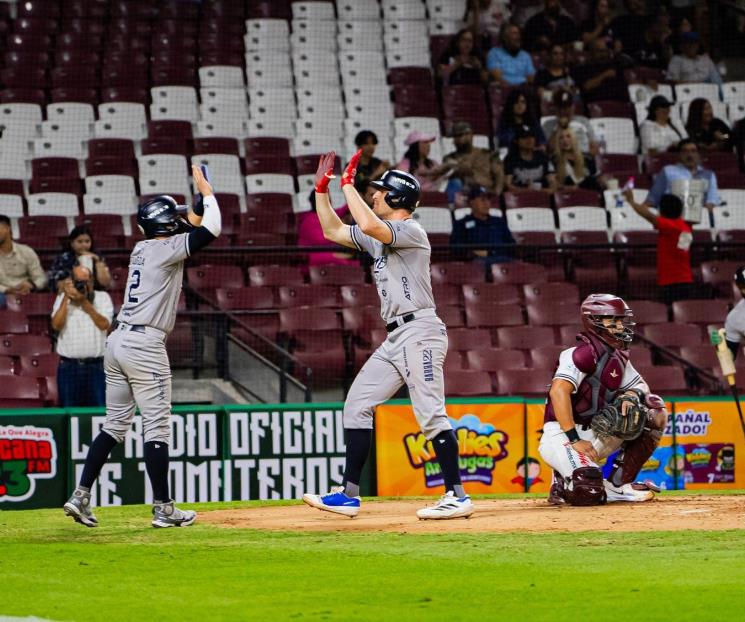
<point>400,321</point>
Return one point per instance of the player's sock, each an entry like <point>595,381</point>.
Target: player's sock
<point>156,464</point>
<point>446,448</point>
<point>358,448</point>
<point>97,456</point>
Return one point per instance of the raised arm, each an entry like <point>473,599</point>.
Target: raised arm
<point>334,229</point>
<point>365,218</point>
<point>640,208</point>
<point>205,216</point>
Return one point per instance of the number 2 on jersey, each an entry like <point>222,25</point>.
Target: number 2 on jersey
<point>134,284</point>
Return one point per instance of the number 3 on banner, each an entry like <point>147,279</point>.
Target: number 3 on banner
<point>133,286</point>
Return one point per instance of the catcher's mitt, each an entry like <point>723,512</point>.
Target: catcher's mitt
<point>610,422</point>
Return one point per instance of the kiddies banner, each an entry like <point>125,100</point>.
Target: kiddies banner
<point>492,439</point>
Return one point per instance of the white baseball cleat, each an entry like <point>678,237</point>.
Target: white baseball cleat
<point>628,492</point>
<point>449,506</point>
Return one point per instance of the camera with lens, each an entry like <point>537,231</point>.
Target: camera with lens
<point>81,286</point>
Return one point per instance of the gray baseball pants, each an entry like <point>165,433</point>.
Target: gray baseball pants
<point>137,373</point>
<point>413,354</point>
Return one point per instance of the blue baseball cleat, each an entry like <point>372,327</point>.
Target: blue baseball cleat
<point>335,501</point>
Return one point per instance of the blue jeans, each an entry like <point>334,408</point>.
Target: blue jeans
<point>455,185</point>
<point>81,384</point>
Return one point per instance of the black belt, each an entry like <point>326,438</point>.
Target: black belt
<point>98,359</point>
<point>137,328</point>
<point>391,326</point>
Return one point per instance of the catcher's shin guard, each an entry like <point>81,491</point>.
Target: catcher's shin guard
<point>635,453</point>
<point>586,487</point>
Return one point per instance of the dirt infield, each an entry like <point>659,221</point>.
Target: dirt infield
<point>534,515</point>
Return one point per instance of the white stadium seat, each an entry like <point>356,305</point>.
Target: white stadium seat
<point>582,219</point>
<point>692,90</point>
<point>397,10</point>
<point>726,218</point>
<point>20,119</point>
<point>122,204</point>
<point>222,126</point>
<point>427,125</point>
<point>163,173</point>
<point>174,111</point>
<point>59,147</point>
<point>446,9</point>
<point>72,113</point>
<point>531,219</point>
<point>351,10</point>
<point>109,184</point>
<point>618,134</point>
<point>444,27</point>
<point>119,127</point>
<point>626,219</point>
<point>641,93</point>
<point>12,162</point>
<point>734,199</point>
<point>434,219</point>
<point>56,128</point>
<point>280,128</point>
<point>11,205</point>
<point>221,75</point>
<point>225,172</point>
<point>313,10</point>
<point>52,204</point>
<point>610,196</point>
<point>267,34</point>
<point>407,58</point>
<point>284,184</point>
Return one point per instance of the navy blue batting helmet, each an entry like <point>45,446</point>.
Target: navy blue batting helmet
<point>162,216</point>
<point>403,189</point>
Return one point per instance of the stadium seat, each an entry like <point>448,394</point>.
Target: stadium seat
<point>53,203</point>
<point>456,272</point>
<point>488,294</point>
<point>530,219</point>
<point>39,365</point>
<point>463,339</point>
<point>718,276</point>
<point>207,277</point>
<point>360,296</point>
<point>480,316</point>
<point>648,312</point>
<point>336,275</point>
<point>518,273</point>
<point>699,311</point>
<point>546,357</point>
<point>525,337</point>
<point>309,296</point>
<point>665,379</point>
<point>274,276</point>
<point>582,219</point>
<point>245,298</point>
<point>550,313</point>
<point>20,345</point>
<point>494,360</point>
<point>466,383</point>
<point>551,292</point>
<point>675,335</point>
<point>518,382</point>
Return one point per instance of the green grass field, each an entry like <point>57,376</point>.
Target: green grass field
<point>53,568</point>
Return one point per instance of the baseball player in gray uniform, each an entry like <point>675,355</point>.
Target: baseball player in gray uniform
<point>414,352</point>
<point>734,325</point>
<point>135,362</point>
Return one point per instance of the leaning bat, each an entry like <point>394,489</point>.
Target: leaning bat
<point>727,364</point>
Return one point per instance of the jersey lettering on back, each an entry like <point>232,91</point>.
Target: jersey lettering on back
<point>156,274</point>
<point>401,268</point>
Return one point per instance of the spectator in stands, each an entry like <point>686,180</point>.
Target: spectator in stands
<point>657,132</point>
<point>602,76</point>
<point>655,50</point>
<point>574,169</point>
<point>565,118</point>
<point>462,62</point>
<point>708,132</point>
<point>673,177</point>
<point>81,316</point>
<point>681,25</point>
<point>482,228</point>
<point>79,251</point>
<point>310,232</point>
<point>486,18</point>
<point>20,270</point>
<point>515,114</point>
<point>555,75</point>
<point>692,64</point>
<point>509,64</point>
<point>472,166</point>
<point>549,27</point>
<point>738,141</point>
<point>674,276</point>
<point>630,27</point>
<point>370,167</point>
<point>597,25</point>
<point>528,168</point>
<point>416,161</point>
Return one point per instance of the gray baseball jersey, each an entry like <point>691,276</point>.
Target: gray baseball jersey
<point>156,271</point>
<point>401,268</point>
<point>414,353</point>
<point>734,325</point>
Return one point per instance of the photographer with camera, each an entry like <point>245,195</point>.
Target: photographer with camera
<point>81,316</point>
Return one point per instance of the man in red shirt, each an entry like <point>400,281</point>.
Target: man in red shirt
<point>674,239</point>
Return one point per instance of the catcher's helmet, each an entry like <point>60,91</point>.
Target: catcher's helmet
<point>596,307</point>
<point>162,216</point>
<point>740,276</point>
<point>403,189</point>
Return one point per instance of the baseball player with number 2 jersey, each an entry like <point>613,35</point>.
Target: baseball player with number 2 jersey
<point>414,352</point>
<point>734,326</point>
<point>135,362</point>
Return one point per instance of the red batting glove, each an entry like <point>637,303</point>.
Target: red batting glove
<point>351,171</point>
<point>325,172</point>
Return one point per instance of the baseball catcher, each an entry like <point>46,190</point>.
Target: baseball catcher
<point>598,404</point>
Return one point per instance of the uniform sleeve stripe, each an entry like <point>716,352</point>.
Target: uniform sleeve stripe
<point>632,383</point>
<point>186,245</point>
<point>393,232</point>
<point>569,378</point>
<point>352,230</point>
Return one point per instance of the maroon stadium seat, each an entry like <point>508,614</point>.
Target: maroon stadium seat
<point>50,226</point>
<point>111,148</point>
<point>21,388</point>
<point>528,198</point>
<point>410,75</point>
<point>245,298</point>
<point>56,184</point>
<point>169,129</point>
<point>578,197</point>
<point>177,145</point>
<point>12,186</point>
<point>274,276</point>
<point>464,383</point>
<point>518,382</point>
<point>207,277</point>
<point>457,272</point>
<point>111,166</point>
<point>216,145</point>
<point>664,379</point>
<point>24,77</point>
<point>361,320</point>
<point>451,315</point>
<point>119,278</point>
<point>718,275</point>
<point>23,96</point>
<point>447,294</point>
<point>546,357</point>
<point>648,311</point>
<point>525,337</point>
<point>551,292</point>
<point>550,313</point>
<point>699,311</point>
<point>489,316</point>
<point>307,164</point>
<point>676,335</point>
<point>491,294</point>
<point>7,366</point>
<point>495,359</point>
<point>469,339</point>
<point>32,304</point>
<point>54,167</point>
<point>133,94</point>
<point>39,365</point>
<point>518,273</point>
<point>336,275</point>
<point>609,163</point>
<point>307,318</point>
<point>267,146</point>
<point>269,202</point>
<point>20,345</point>
<point>308,296</point>
<point>654,163</point>
<point>359,296</point>
<point>611,108</point>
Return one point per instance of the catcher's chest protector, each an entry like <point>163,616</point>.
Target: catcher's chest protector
<point>604,367</point>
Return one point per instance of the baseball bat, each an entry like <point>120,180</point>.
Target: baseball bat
<point>206,173</point>
<point>727,364</point>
